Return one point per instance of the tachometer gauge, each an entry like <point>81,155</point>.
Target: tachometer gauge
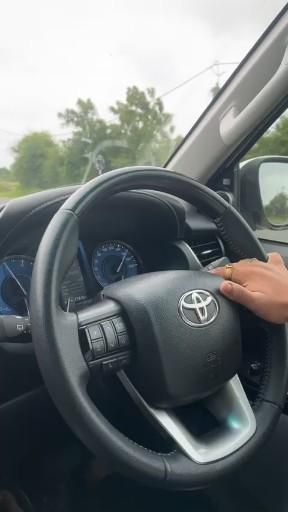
<point>15,281</point>
<point>113,261</point>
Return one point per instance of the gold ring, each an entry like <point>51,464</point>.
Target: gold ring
<point>228,272</point>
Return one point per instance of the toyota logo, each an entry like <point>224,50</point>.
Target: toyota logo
<point>198,308</point>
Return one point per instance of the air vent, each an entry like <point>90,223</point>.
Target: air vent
<point>207,250</point>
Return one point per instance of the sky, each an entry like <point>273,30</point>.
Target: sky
<point>55,51</point>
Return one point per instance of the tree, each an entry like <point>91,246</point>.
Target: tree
<point>5,174</point>
<point>84,121</point>
<point>144,126</point>
<point>38,161</point>
<point>274,142</point>
<point>140,133</point>
<point>88,130</point>
<point>277,207</point>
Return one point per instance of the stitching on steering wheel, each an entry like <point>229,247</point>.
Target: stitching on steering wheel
<point>161,454</point>
<point>227,239</point>
<point>267,369</point>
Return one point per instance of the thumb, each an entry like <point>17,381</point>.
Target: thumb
<point>237,293</point>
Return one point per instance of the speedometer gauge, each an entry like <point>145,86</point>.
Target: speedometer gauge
<point>15,281</point>
<point>114,261</point>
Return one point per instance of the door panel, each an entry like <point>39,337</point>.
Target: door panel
<point>276,247</point>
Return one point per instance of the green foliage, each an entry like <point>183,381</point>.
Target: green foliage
<point>82,119</point>
<point>74,160</point>
<point>5,174</point>
<point>141,133</point>
<point>10,189</point>
<point>276,210</point>
<point>144,126</point>
<point>88,130</point>
<point>274,142</point>
<point>38,161</point>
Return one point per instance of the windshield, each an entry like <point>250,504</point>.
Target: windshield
<point>89,86</point>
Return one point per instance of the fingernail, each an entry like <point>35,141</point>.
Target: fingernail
<point>226,287</point>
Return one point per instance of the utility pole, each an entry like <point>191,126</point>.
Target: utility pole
<point>216,69</point>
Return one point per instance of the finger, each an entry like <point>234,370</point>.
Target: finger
<point>238,293</point>
<point>274,258</point>
<point>219,271</point>
<point>239,274</point>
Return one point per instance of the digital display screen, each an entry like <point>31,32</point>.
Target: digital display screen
<point>73,288</point>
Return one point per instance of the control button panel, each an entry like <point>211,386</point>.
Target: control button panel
<point>123,339</point>
<point>110,336</point>
<point>14,327</point>
<point>119,325</point>
<point>98,347</point>
<point>95,332</point>
<point>105,338</point>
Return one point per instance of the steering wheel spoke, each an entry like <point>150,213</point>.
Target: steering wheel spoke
<point>104,337</point>
<point>236,422</point>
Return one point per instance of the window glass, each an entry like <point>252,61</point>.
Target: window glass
<point>271,223</point>
<point>88,86</point>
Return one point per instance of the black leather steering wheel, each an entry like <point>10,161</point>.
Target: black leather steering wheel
<point>185,344</point>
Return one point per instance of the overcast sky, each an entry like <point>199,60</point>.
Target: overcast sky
<point>273,179</point>
<point>54,51</point>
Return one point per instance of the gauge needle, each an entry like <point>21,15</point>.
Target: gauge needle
<point>122,262</point>
<point>16,280</point>
<point>27,306</point>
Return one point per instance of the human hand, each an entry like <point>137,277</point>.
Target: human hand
<point>260,287</point>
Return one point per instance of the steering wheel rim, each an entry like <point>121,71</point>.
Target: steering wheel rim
<point>56,341</point>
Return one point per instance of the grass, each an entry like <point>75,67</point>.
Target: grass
<point>12,189</point>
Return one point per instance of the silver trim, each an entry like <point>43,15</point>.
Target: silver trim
<point>191,256</point>
<point>230,407</point>
<point>200,300</point>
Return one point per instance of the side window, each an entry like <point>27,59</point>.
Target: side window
<point>264,183</point>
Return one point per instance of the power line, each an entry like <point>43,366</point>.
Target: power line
<point>181,84</point>
<point>15,134</point>
<point>193,77</point>
<point>215,65</point>
<point>226,63</point>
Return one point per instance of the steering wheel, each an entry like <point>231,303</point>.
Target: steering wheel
<point>171,337</point>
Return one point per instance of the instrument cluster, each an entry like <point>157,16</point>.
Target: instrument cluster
<point>111,261</point>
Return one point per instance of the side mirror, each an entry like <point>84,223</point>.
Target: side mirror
<point>264,192</point>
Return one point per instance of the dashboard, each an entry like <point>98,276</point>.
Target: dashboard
<point>132,233</point>
<point>111,261</point>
